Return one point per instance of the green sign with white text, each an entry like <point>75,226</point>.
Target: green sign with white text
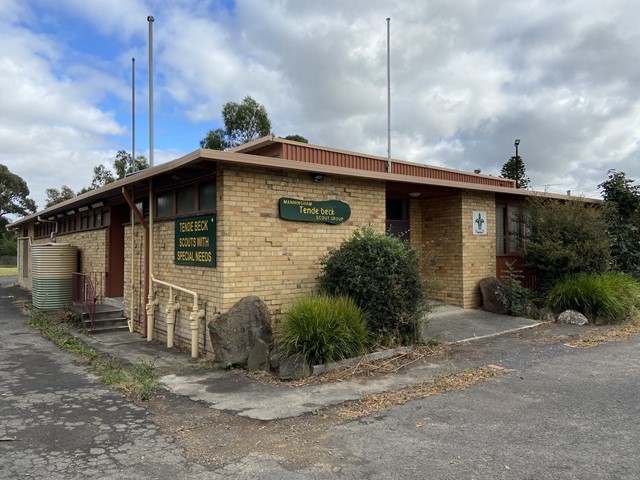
<point>328,211</point>
<point>195,241</point>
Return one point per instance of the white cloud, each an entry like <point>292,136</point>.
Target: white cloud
<point>467,79</point>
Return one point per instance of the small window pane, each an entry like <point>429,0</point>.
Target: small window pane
<point>397,209</point>
<point>186,200</point>
<point>106,217</point>
<point>165,204</point>
<point>501,237</point>
<point>515,222</point>
<point>208,196</point>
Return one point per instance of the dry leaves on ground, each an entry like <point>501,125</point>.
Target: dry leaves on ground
<point>362,369</point>
<point>457,381</point>
<point>616,334</point>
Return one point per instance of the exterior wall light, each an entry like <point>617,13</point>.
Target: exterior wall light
<point>317,177</point>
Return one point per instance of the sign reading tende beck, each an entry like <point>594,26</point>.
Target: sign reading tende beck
<point>328,211</point>
<point>195,241</point>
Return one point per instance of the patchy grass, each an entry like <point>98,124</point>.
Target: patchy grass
<point>617,334</point>
<point>138,381</point>
<point>445,383</point>
<point>8,271</point>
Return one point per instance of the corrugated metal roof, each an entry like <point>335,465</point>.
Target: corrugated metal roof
<point>311,159</point>
<point>287,149</point>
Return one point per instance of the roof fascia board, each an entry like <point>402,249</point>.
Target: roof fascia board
<point>113,189</point>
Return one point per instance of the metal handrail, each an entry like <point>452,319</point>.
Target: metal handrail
<point>85,294</point>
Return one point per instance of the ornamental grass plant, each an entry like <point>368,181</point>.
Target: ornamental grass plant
<point>323,329</point>
<point>602,298</point>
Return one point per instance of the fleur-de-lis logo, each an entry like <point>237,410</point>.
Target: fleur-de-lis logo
<point>480,222</point>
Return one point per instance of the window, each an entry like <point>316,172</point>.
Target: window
<point>84,220</point>
<point>186,200</point>
<point>164,204</point>
<point>207,196</point>
<point>510,229</point>
<point>398,218</point>
<point>143,207</point>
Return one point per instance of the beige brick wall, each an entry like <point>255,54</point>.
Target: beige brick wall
<point>461,259</point>
<point>479,251</point>
<point>257,252</point>
<point>25,281</point>
<point>442,240</point>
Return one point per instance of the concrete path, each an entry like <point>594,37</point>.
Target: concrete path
<point>449,324</point>
<point>231,392</point>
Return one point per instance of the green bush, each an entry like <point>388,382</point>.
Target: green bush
<point>565,238</point>
<point>323,329</point>
<point>519,295</point>
<point>622,207</point>
<point>382,274</point>
<point>601,298</point>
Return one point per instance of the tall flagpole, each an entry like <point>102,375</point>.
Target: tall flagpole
<point>133,114</point>
<point>150,20</point>
<point>388,95</point>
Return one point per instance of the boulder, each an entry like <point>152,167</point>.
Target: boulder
<point>495,297</point>
<point>294,367</point>
<point>235,333</point>
<point>258,360</point>
<point>547,315</point>
<point>275,357</point>
<point>573,318</point>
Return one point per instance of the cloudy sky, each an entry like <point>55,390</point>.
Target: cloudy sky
<point>468,77</point>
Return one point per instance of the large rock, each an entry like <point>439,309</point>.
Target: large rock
<point>495,297</point>
<point>573,318</point>
<point>294,367</point>
<point>258,360</point>
<point>235,333</point>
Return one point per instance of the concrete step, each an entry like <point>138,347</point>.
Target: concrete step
<point>108,318</point>
<point>106,324</point>
<point>117,302</point>
<point>111,328</point>
<point>102,311</point>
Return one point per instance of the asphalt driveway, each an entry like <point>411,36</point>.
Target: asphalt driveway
<point>562,413</point>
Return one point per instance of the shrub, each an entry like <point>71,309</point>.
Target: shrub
<point>565,238</point>
<point>601,298</point>
<point>323,329</point>
<point>622,202</point>
<point>382,274</point>
<point>519,295</point>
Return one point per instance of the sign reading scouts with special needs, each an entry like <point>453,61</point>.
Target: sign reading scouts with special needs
<point>329,211</point>
<point>195,241</point>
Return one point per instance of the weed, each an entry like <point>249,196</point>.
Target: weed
<point>138,380</point>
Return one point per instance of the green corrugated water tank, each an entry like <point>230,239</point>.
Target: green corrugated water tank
<point>52,268</point>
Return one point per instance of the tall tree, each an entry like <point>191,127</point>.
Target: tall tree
<point>55,196</point>
<point>14,194</point>
<point>14,200</point>
<point>243,122</point>
<point>123,165</point>
<point>515,169</point>
<point>622,206</point>
<point>296,138</point>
